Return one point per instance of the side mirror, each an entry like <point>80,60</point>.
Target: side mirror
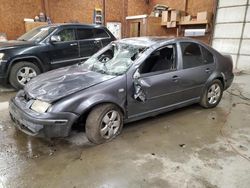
<point>55,38</point>
<point>136,75</point>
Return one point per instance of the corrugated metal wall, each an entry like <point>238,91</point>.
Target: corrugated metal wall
<point>232,31</point>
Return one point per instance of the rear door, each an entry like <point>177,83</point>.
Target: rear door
<point>197,66</point>
<point>102,35</point>
<point>87,42</point>
<point>65,52</point>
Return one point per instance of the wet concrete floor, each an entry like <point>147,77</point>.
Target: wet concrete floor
<point>189,147</point>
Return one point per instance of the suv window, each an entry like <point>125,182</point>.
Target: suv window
<point>85,33</point>
<point>163,59</point>
<point>100,33</point>
<point>191,53</point>
<point>67,35</point>
<point>207,56</point>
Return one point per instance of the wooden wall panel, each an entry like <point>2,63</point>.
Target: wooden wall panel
<point>195,6</point>
<point>73,10</point>
<point>176,4</point>
<point>12,13</point>
<point>137,7</point>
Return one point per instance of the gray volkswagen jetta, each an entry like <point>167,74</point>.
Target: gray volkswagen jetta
<point>128,80</point>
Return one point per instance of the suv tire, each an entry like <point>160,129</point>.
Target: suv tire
<point>21,73</point>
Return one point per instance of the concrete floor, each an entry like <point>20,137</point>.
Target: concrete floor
<point>190,147</point>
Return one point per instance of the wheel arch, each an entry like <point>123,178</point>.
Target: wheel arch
<point>84,113</point>
<point>32,59</point>
<point>219,76</point>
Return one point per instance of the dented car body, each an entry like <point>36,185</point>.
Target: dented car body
<point>137,77</point>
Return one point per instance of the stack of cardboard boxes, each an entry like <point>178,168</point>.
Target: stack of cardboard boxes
<point>171,17</point>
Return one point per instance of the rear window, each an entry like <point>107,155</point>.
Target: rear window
<point>192,56</point>
<point>207,56</point>
<point>100,33</point>
<point>85,33</point>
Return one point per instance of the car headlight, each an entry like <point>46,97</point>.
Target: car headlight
<point>40,106</point>
<point>1,55</point>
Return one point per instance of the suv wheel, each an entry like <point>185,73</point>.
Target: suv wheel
<point>21,73</point>
<point>212,95</point>
<point>104,123</point>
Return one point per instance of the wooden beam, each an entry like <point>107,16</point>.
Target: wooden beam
<point>46,7</point>
<point>186,5</point>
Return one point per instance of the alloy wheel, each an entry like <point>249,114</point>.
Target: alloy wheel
<point>110,124</point>
<point>25,74</point>
<point>214,93</point>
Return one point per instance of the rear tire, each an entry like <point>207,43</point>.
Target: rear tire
<point>104,123</point>
<point>21,73</point>
<point>212,95</point>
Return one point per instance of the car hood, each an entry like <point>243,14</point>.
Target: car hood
<point>56,84</point>
<point>15,44</point>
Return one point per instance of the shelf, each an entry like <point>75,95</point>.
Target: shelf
<point>205,22</point>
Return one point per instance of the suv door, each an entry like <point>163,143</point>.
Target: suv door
<point>158,83</point>
<point>87,42</point>
<point>102,35</point>
<point>197,66</point>
<point>66,51</point>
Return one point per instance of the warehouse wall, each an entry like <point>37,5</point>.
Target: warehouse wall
<point>73,10</point>
<point>232,31</point>
<point>194,6</point>
<point>12,13</point>
<point>137,7</point>
<point>177,4</point>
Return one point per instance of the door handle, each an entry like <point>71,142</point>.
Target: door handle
<point>96,41</point>
<point>73,44</point>
<point>208,70</point>
<point>175,78</point>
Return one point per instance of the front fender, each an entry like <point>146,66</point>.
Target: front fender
<point>97,99</point>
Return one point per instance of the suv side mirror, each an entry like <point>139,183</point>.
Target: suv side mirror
<point>55,38</point>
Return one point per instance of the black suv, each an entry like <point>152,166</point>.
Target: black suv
<point>49,47</point>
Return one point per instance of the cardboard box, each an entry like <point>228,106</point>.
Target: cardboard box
<point>186,18</point>
<point>176,15</point>
<point>171,24</point>
<point>166,15</point>
<point>202,16</point>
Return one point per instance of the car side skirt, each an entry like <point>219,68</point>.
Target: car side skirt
<point>158,111</point>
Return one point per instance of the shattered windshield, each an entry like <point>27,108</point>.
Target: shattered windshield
<point>115,59</point>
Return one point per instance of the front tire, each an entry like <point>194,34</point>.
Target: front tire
<point>212,95</point>
<point>21,73</point>
<point>104,123</point>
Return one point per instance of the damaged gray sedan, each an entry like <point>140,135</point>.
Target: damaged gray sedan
<point>128,80</point>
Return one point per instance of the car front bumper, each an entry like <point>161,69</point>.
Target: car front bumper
<point>49,125</point>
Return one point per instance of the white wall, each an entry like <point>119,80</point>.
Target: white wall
<point>232,31</point>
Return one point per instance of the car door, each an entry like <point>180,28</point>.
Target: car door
<point>103,36</point>
<point>65,51</point>
<point>197,66</point>
<point>157,85</point>
<point>87,42</point>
